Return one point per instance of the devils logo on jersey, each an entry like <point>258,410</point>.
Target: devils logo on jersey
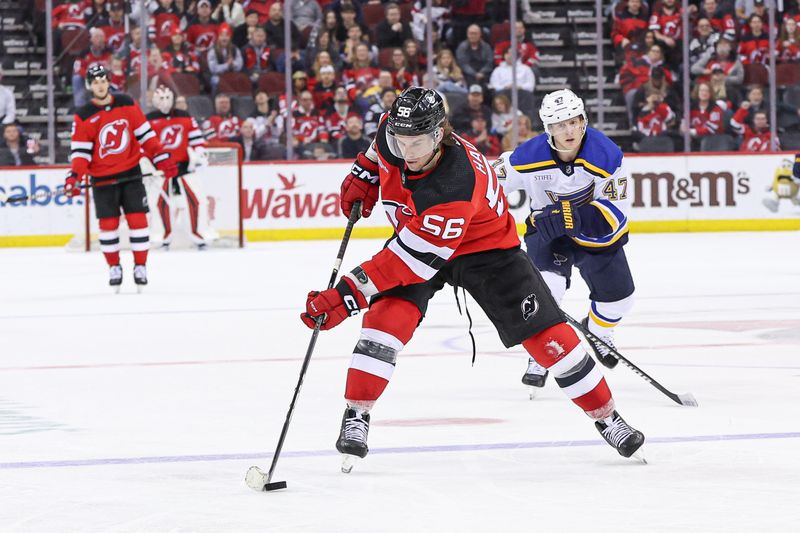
<point>172,137</point>
<point>529,306</point>
<point>399,214</point>
<point>206,40</point>
<point>114,138</point>
<point>227,129</point>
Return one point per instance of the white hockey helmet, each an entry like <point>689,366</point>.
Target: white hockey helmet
<point>163,99</point>
<point>559,106</point>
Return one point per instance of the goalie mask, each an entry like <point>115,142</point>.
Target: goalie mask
<point>163,99</point>
<point>557,109</point>
<point>414,127</point>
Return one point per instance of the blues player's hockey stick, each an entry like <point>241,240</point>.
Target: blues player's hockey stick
<point>686,399</point>
<point>255,478</point>
<point>60,190</point>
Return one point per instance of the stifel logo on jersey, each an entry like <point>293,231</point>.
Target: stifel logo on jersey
<point>114,137</point>
<point>172,136</point>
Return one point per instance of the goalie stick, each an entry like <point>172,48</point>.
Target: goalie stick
<point>686,399</point>
<point>255,477</point>
<point>60,190</point>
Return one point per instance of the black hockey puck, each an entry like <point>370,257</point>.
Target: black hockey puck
<point>278,485</point>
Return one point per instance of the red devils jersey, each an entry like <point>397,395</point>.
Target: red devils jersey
<point>789,51</point>
<point>69,16</point>
<point>256,59</point>
<point>163,22</point>
<point>115,36</point>
<point>752,141</point>
<point>201,35</point>
<point>309,127</point>
<point>628,26</point>
<point>526,52</point>
<point>356,80</point>
<point>654,122</point>
<point>706,121</point>
<point>109,140</point>
<point>336,124</point>
<point>457,208</point>
<point>221,128</point>
<point>181,60</point>
<point>668,24</point>
<point>177,131</point>
<point>754,49</point>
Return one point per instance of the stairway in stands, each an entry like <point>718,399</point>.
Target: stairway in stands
<point>22,53</point>
<point>565,34</point>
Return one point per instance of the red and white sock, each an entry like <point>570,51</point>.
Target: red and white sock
<point>109,239</point>
<point>139,236</point>
<point>559,350</point>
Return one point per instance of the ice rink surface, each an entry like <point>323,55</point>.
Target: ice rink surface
<point>142,413</point>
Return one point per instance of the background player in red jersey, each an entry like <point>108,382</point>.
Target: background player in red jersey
<point>452,225</point>
<point>180,134</point>
<point>108,136</point>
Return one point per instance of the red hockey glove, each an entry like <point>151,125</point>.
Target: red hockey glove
<point>334,304</point>
<point>72,184</point>
<point>557,220</point>
<point>168,167</point>
<point>360,184</point>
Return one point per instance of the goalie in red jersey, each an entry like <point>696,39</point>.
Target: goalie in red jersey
<point>108,137</point>
<point>181,135</point>
<point>452,225</point>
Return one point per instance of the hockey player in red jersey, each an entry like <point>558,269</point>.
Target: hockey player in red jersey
<point>180,134</point>
<point>452,225</point>
<point>108,137</point>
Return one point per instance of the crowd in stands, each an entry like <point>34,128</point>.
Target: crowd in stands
<point>729,53</point>
<point>349,59</point>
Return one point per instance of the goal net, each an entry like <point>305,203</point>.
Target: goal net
<point>215,188</point>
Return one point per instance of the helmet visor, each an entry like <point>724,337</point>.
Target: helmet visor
<point>412,147</point>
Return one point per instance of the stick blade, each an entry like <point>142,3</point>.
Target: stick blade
<point>258,481</point>
<point>688,400</point>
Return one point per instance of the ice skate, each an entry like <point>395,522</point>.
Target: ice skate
<point>621,436</point>
<point>115,277</point>
<point>140,276</point>
<point>535,377</point>
<point>602,352</point>
<point>352,441</point>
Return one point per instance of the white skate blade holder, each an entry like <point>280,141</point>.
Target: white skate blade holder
<point>348,462</point>
<point>259,481</point>
<point>533,391</point>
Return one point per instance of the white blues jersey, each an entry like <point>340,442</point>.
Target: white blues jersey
<point>596,182</point>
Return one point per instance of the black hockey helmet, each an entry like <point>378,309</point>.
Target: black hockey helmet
<point>416,111</point>
<point>94,72</point>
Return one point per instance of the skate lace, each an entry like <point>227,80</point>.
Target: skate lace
<point>617,432</point>
<point>355,429</point>
<point>602,349</point>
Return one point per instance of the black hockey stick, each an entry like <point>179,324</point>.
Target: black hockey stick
<point>255,478</point>
<point>57,191</point>
<point>686,399</point>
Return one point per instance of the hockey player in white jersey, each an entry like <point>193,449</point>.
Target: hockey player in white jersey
<point>575,179</point>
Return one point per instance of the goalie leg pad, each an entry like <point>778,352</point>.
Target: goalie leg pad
<point>388,326</point>
<point>194,212</point>
<point>164,211</point>
<point>559,350</point>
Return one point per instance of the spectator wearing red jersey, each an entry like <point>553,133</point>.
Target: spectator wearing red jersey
<point>636,73</point>
<point>179,56</point>
<point>720,19</point>
<point>656,116</point>
<point>629,25</point>
<point>789,42</point>
<point>757,138</point>
<point>223,56</point>
<point>325,88</point>
<point>309,126</point>
<point>69,16</point>
<point>527,52</point>
<point>336,115</point>
<point>479,135</point>
<point>361,75</point>
<point>402,75</point>
<point>392,32</point>
<point>702,44</point>
<point>639,47</point>
<point>754,46</point>
<point>656,84</point>
<point>257,55</point>
<point>114,26</point>
<point>275,28</point>
<point>117,78</point>
<point>97,54</point>
<point>666,23</point>
<point>705,116</point>
<point>165,19</point>
<point>724,57</point>
<point>202,30</point>
<point>223,125</point>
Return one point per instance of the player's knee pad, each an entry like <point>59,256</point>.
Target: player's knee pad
<point>136,220</point>
<point>109,224</point>
<point>556,283</point>
<point>372,366</point>
<point>393,316</point>
<point>608,314</point>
